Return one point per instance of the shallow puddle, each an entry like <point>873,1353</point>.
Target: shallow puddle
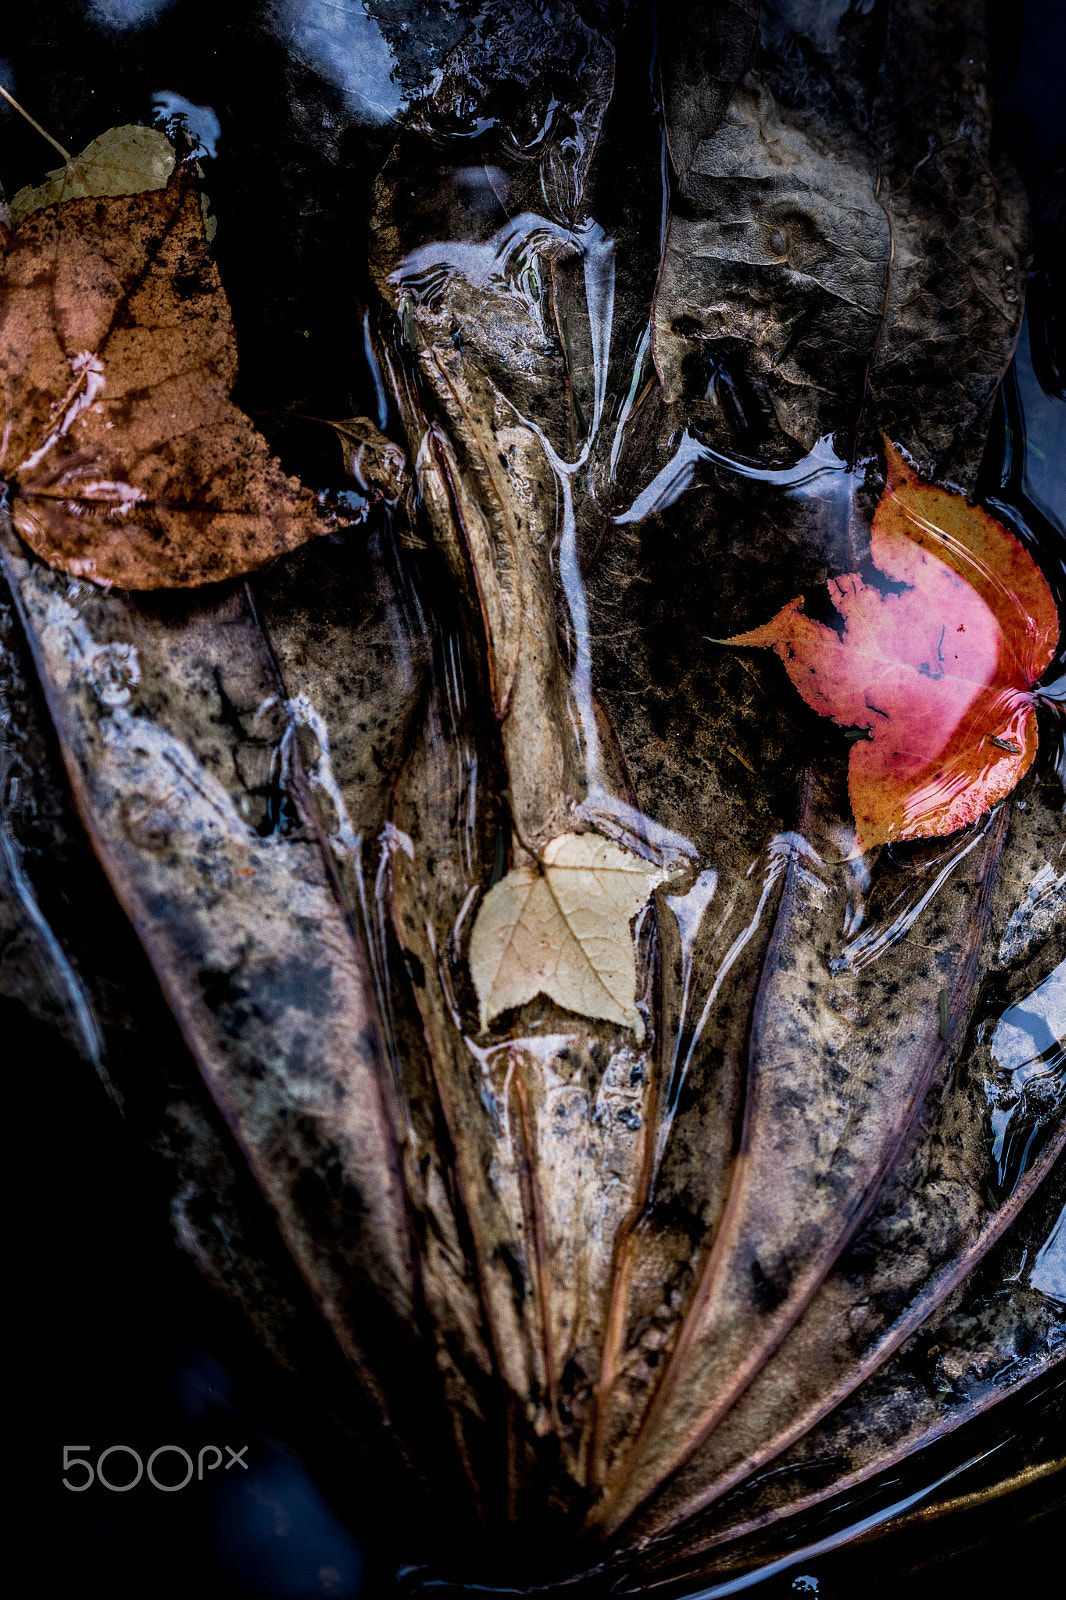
<point>610,882</point>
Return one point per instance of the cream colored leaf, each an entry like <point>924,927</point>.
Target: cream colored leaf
<point>563,929</point>
<point>125,160</point>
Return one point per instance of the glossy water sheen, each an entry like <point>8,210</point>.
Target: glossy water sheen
<point>558,665</point>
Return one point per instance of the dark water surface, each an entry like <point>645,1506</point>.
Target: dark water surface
<point>289,106</point>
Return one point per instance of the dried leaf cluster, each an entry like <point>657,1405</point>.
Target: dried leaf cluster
<point>660,1165</point>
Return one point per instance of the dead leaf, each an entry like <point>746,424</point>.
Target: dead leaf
<point>126,461</point>
<point>895,1410</point>
<point>804,263</point>
<point>560,927</point>
<point>127,160</point>
<point>372,460</point>
<point>199,883</point>
<point>939,670</point>
<point>629,1270</point>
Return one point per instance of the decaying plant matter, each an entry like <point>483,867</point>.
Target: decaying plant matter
<point>627,1124</point>
<point>937,675</point>
<point>126,461</point>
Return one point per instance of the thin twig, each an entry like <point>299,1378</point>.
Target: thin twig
<point>10,98</point>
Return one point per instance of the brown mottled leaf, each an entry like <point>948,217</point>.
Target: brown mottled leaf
<point>999,1330</point>
<point>126,460</point>
<point>826,247</point>
<point>776,1035</point>
<point>244,928</point>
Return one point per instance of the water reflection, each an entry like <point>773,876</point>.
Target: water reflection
<point>199,122</point>
<point>123,14</point>
<point>1043,906</point>
<point>820,22</point>
<point>346,47</point>
<point>1042,436</point>
<point>1027,1092</point>
<point>1049,1269</point>
<point>277,1539</point>
<point>874,941</point>
<point>815,474</point>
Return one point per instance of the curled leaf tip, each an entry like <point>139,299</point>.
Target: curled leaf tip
<point>898,470</point>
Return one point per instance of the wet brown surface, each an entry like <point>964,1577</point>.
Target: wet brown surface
<point>649,1302</point>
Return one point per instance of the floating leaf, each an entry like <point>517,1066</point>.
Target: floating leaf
<point>126,460</point>
<point>124,160</point>
<point>560,927</point>
<point>937,665</point>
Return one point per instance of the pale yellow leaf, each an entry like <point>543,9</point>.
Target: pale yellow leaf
<point>126,160</point>
<point>562,928</point>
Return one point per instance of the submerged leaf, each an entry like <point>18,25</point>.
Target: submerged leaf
<point>625,1306</point>
<point>125,160</point>
<point>937,667</point>
<point>129,464</point>
<point>805,264</point>
<point>377,465</point>
<point>561,928</point>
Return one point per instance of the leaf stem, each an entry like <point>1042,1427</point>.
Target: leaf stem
<point>505,794</point>
<point>10,98</point>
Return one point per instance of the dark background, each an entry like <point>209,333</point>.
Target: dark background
<point>119,1341</point>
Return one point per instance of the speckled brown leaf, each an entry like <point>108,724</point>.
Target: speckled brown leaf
<point>815,1057</point>
<point>990,1340</point>
<point>125,459</point>
<point>835,265</point>
<point>250,944</point>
